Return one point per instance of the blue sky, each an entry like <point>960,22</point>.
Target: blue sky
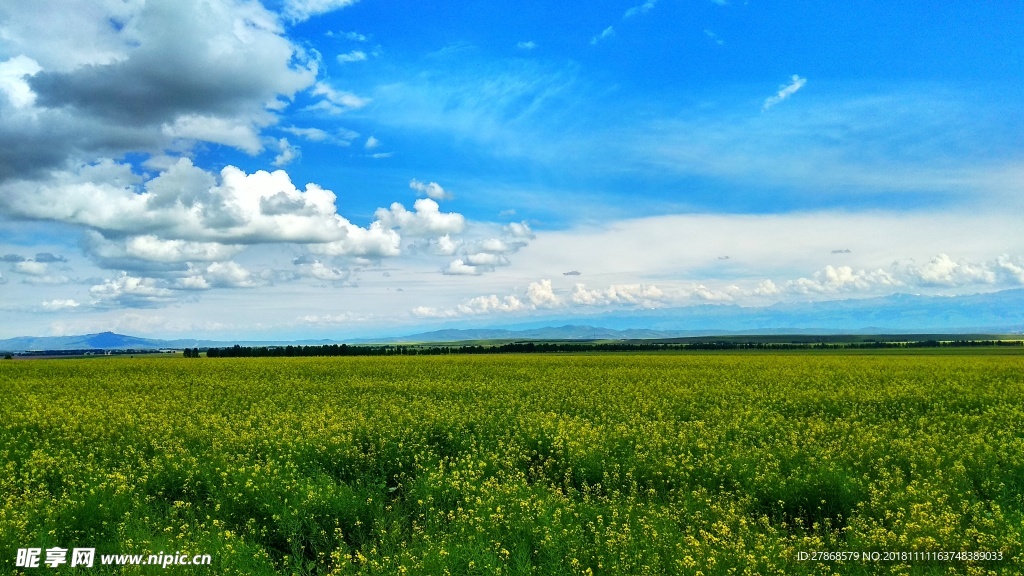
<point>330,168</point>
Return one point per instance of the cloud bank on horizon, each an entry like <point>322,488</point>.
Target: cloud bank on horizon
<point>294,168</point>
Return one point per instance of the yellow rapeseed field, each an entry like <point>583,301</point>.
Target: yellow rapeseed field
<point>732,463</point>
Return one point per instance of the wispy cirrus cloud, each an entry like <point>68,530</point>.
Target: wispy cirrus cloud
<point>785,91</point>
<point>640,9</point>
<point>604,35</point>
<point>714,37</point>
<point>335,101</point>
<point>302,10</point>
<point>353,56</point>
<point>336,137</point>
<point>350,35</point>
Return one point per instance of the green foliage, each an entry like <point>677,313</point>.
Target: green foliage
<point>517,464</point>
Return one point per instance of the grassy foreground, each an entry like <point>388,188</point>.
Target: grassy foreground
<point>548,464</point>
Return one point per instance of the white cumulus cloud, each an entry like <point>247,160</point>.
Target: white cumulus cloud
<point>766,288</point>
<point>446,245</point>
<point>430,312</point>
<point>373,242</point>
<point>109,77</point>
<point>705,294</point>
<point>12,80</point>
<point>541,295</point>
<point>230,275</point>
<point>944,271</point>
<point>227,131</point>
<point>430,190</point>
<point>492,303</point>
<point>130,292</point>
<point>1012,268</point>
<point>190,205</point>
<point>486,259</point>
<point>426,219</point>
<point>835,279</point>
<point>458,267</point>
<point>36,272</point>
<point>31,268</point>
<point>519,230</point>
<point>321,271</point>
<point>638,294</point>
<point>287,153</point>
<point>55,305</point>
<point>149,247</point>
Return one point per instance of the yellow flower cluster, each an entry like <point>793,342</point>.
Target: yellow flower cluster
<point>730,463</point>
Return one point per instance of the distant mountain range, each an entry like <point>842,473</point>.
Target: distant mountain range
<point>566,332</point>
<point>995,312</point>
<point>992,313</point>
<point>113,341</point>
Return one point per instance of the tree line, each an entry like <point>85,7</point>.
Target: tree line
<point>237,351</point>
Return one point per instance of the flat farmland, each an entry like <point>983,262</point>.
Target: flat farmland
<point>716,463</point>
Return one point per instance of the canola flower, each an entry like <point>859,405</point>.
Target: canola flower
<point>549,464</point>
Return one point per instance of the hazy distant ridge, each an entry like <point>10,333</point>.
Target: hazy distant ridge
<point>993,313</point>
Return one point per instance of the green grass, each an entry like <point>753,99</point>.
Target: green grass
<point>517,464</point>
